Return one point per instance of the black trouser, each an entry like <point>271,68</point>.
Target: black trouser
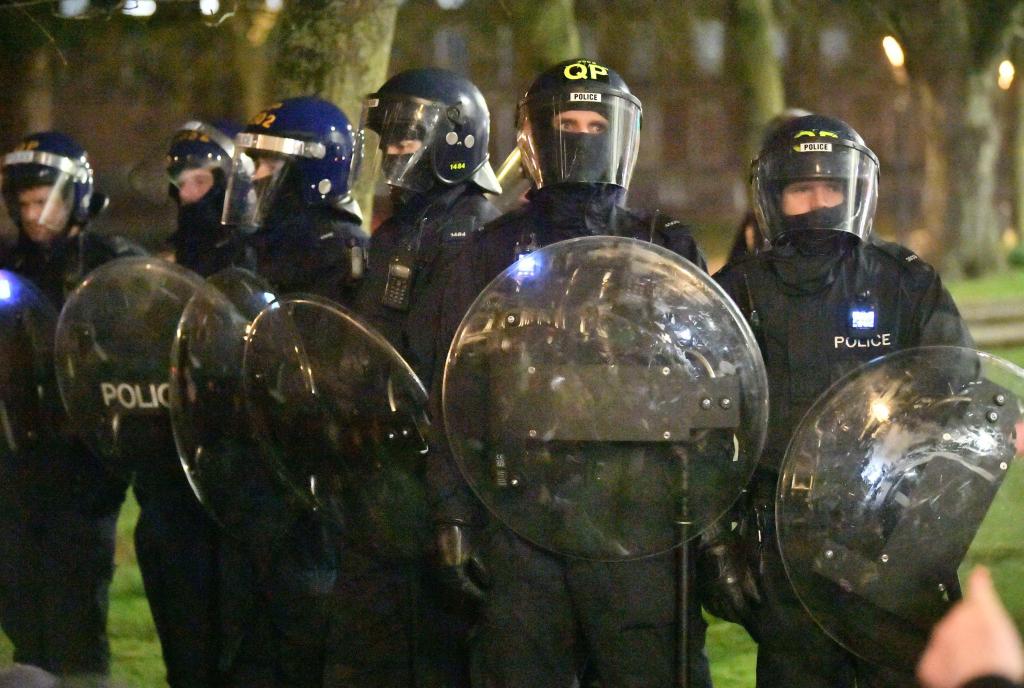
<point>176,544</point>
<point>55,571</point>
<point>546,616</point>
<point>793,651</point>
<point>324,615</point>
<point>277,598</point>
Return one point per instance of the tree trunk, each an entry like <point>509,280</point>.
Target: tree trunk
<point>933,243</point>
<point>338,50</point>
<point>38,96</point>
<point>973,138</point>
<point>545,32</point>
<point>1018,145</point>
<point>252,62</point>
<point>758,72</point>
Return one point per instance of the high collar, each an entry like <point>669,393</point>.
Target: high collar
<point>414,205</point>
<point>576,209</point>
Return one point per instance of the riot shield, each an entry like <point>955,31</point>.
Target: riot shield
<point>600,393</point>
<point>207,405</point>
<point>29,402</point>
<point>112,351</point>
<point>900,477</point>
<point>342,418</point>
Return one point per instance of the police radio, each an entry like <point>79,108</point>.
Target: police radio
<point>862,315</point>
<point>401,270</point>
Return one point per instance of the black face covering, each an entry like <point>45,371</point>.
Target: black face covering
<point>820,219</point>
<point>199,222</point>
<point>566,156</point>
<point>420,177</point>
<point>572,210</point>
<point>806,261</point>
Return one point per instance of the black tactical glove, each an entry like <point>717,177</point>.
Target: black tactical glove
<point>460,570</point>
<point>727,586</point>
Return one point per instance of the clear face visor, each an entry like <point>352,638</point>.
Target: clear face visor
<point>816,186</point>
<point>48,204</point>
<point>395,138</point>
<point>258,170</point>
<point>579,137</point>
<point>179,167</point>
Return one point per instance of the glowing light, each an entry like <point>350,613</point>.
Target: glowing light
<point>893,51</point>
<point>139,8</point>
<point>862,319</point>
<point>73,8</point>
<point>5,289</point>
<point>274,5</point>
<point>1006,74</point>
<point>880,411</point>
<point>526,266</point>
<point>209,7</point>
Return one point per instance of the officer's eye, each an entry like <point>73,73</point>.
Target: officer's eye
<point>597,127</point>
<point>569,125</point>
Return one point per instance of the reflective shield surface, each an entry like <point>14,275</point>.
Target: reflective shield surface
<point>601,390</point>
<point>903,475</point>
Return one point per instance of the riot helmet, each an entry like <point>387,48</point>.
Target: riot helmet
<point>578,122</point>
<point>300,146</point>
<point>425,126</point>
<point>815,173</point>
<point>199,158</point>
<point>48,187</point>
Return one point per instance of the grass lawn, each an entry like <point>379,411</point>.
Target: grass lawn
<point>136,651</point>
<point>1004,286</point>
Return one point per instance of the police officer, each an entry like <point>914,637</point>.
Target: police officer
<point>198,165</point>
<point>427,132</point>
<point>289,201</point>
<point>749,235</point>
<point>578,132</point>
<point>825,298</point>
<point>58,517</point>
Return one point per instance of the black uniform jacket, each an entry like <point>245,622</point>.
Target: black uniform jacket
<point>428,233</point>
<point>798,301</point>
<point>552,214</point>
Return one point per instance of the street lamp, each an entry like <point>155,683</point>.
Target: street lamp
<point>1006,73</point>
<point>139,8</point>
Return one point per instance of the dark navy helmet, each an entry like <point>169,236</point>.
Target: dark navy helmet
<point>425,126</point>
<point>299,145</point>
<point>578,122</point>
<point>201,145</point>
<point>815,173</point>
<point>56,168</point>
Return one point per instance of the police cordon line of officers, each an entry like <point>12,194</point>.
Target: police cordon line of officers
<point>479,604</point>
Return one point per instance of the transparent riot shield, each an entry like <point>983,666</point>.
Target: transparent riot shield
<point>30,412</point>
<point>112,352</point>
<point>342,418</point>
<point>208,414</point>
<point>601,393</point>
<point>902,476</point>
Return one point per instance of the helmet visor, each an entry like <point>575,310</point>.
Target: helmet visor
<point>39,188</point>
<point>259,167</point>
<point>395,138</point>
<point>816,186</point>
<point>585,137</point>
